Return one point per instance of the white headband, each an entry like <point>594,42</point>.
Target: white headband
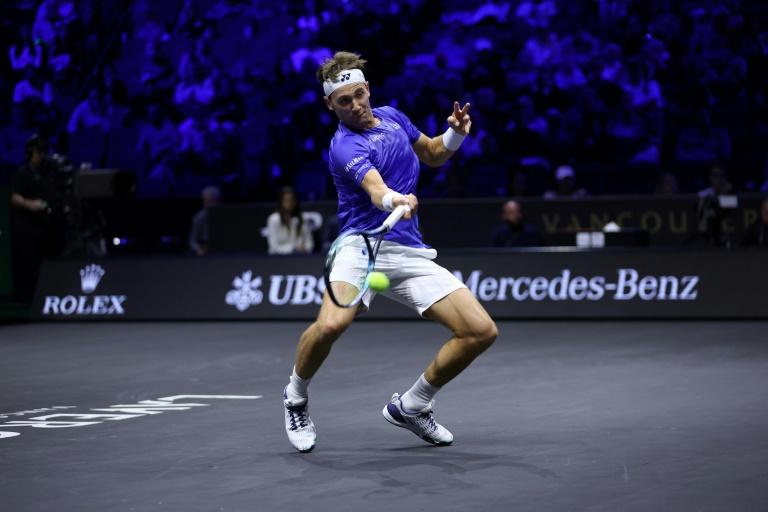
<point>345,77</point>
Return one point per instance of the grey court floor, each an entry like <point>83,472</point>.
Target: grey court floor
<point>556,416</point>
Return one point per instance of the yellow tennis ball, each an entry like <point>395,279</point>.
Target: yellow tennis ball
<point>378,281</point>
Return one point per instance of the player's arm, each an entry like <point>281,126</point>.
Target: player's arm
<point>435,151</point>
<point>383,197</point>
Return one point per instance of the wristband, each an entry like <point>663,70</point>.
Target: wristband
<point>386,201</point>
<point>452,139</point>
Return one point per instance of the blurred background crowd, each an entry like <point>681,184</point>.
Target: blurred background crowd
<point>568,97</point>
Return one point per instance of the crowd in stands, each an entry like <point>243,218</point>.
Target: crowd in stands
<point>618,96</point>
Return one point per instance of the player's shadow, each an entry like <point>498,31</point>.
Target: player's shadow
<point>385,465</point>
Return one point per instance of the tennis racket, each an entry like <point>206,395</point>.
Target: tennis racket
<point>351,259</point>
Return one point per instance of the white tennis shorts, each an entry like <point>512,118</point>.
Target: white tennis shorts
<point>415,280</point>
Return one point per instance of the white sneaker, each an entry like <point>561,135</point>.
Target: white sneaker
<point>421,423</point>
<point>298,425</point>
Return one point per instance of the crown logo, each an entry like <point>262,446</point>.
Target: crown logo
<point>90,276</point>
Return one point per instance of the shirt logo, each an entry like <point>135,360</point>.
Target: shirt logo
<point>353,162</point>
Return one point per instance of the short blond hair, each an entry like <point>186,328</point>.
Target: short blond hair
<point>329,68</point>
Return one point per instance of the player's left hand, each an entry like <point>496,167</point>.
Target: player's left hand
<point>459,120</point>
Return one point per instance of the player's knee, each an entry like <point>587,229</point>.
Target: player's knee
<point>330,329</point>
<point>483,336</point>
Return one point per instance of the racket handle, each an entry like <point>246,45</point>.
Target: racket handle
<point>395,216</point>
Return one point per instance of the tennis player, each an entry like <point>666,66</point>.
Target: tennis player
<point>374,160</point>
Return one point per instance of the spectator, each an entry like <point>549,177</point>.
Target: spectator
<point>718,183</point>
<point>199,235</point>
<point>642,89</point>
<point>710,214</point>
<point>43,28</point>
<point>194,87</point>
<point>612,65</point>
<point>28,54</point>
<point>156,75</point>
<point>33,99</point>
<point>666,185</point>
<point>566,185</point>
<point>757,232</point>
<point>536,13</point>
<point>513,231</point>
<point>196,154</point>
<point>158,139</point>
<point>92,113</point>
<point>541,49</point>
<point>701,142</point>
<point>33,89</point>
<point>287,230</point>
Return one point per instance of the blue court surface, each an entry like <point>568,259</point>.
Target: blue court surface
<point>556,416</point>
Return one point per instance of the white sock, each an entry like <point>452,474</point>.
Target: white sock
<point>297,387</point>
<point>419,396</point>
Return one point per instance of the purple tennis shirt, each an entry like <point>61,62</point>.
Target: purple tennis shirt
<point>386,148</point>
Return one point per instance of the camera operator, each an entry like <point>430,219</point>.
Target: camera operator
<point>36,228</point>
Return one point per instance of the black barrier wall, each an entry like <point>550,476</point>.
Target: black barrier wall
<point>511,284</point>
<point>667,220</point>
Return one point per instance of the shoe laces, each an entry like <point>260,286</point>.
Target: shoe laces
<point>298,417</point>
<point>427,420</point>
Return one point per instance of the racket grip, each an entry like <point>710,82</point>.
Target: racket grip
<point>395,216</point>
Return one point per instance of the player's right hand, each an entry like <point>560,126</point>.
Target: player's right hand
<point>409,200</point>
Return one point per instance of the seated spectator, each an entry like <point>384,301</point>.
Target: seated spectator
<point>541,49</point>
<point>196,153</point>
<point>287,230</point>
<point>144,27</point>
<point>701,142</point>
<point>569,76</point>
<point>44,26</point>
<point>566,185</point>
<point>156,75</point>
<point>513,231</point>
<point>194,87</point>
<point>757,232</point>
<point>27,54</point>
<point>718,183</point>
<point>666,185</point>
<point>612,67</point>
<point>642,89</point>
<point>33,89</point>
<point>709,213</point>
<point>159,139</point>
<point>536,13</point>
<point>92,112</point>
<point>33,100</point>
<point>199,235</point>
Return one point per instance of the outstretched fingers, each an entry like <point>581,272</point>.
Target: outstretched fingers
<point>459,119</point>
